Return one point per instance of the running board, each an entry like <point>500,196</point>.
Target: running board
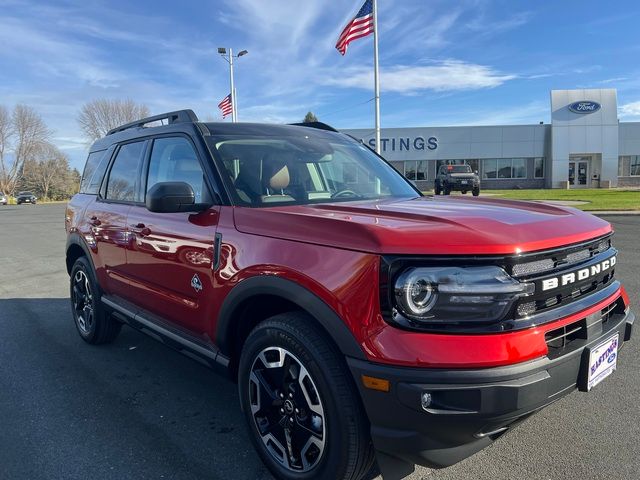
<point>163,331</point>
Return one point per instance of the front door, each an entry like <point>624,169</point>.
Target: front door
<point>579,172</point>
<point>170,257</point>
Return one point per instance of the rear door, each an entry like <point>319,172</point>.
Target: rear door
<point>107,216</point>
<point>170,257</point>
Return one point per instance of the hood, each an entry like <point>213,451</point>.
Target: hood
<point>462,175</point>
<point>426,225</point>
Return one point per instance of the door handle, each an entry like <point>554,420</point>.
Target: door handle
<point>141,229</point>
<point>95,221</point>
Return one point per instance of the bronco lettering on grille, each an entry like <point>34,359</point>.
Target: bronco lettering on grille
<point>579,275</point>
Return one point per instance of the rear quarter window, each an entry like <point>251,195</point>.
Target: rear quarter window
<point>93,172</point>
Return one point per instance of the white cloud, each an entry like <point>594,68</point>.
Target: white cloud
<point>486,26</point>
<point>629,110</point>
<point>449,75</point>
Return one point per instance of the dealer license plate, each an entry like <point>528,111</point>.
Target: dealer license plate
<point>602,361</point>
<point>463,182</point>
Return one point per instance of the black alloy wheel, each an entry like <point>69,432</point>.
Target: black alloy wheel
<point>287,409</point>
<point>302,408</point>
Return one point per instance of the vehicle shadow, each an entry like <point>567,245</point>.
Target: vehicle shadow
<point>131,409</point>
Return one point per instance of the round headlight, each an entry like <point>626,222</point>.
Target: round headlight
<point>416,294</point>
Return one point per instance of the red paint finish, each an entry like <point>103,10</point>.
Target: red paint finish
<point>466,351</point>
<point>164,254</point>
<point>332,250</point>
<point>426,225</point>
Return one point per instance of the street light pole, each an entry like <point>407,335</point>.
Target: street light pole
<point>234,99</point>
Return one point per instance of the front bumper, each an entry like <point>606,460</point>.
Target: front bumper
<point>459,186</point>
<point>469,408</point>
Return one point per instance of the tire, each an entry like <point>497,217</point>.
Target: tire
<point>93,322</point>
<point>437,190</point>
<point>321,396</point>
<point>446,190</point>
<point>464,192</point>
<point>475,192</point>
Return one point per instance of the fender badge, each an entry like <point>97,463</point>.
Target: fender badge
<point>196,283</point>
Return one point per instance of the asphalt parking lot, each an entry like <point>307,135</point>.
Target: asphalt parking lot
<point>135,409</point>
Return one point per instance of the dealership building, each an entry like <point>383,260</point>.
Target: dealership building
<point>585,146</point>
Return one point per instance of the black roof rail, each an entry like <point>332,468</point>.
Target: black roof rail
<point>179,116</point>
<point>318,125</point>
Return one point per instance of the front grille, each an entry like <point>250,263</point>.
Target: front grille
<point>547,262</point>
<point>575,335</point>
<point>576,270</point>
<point>610,311</point>
<point>562,337</point>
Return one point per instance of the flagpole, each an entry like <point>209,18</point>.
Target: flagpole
<point>233,94</point>
<point>235,103</point>
<point>376,78</point>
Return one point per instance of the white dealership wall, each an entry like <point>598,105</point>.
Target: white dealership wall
<point>589,134</point>
<point>597,136</point>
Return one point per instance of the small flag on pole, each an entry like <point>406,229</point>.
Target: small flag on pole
<point>226,106</point>
<point>360,26</point>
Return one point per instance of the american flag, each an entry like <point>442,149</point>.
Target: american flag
<point>360,26</point>
<point>225,106</point>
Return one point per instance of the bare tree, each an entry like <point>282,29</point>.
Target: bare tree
<point>27,133</point>
<point>97,117</point>
<point>6,130</point>
<point>47,172</point>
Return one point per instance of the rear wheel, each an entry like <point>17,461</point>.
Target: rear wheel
<point>93,322</point>
<point>302,409</point>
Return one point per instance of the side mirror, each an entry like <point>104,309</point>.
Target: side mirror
<point>171,197</point>
<point>475,172</point>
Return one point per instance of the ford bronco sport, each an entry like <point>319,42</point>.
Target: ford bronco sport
<point>362,320</point>
<point>456,177</point>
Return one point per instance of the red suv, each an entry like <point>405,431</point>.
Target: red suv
<point>363,321</point>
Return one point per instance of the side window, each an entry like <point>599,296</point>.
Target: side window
<point>124,172</point>
<point>173,159</point>
<point>93,172</point>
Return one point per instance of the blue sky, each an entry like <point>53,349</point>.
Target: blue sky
<point>443,62</point>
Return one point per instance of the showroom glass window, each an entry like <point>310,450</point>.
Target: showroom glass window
<point>505,168</point>
<point>629,166</point>
<point>538,167</point>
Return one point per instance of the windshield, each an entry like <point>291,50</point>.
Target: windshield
<point>25,193</point>
<point>303,169</point>
<point>458,168</point>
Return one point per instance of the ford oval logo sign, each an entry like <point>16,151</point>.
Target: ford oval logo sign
<point>584,107</point>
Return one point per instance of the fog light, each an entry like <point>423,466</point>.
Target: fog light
<point>526,309</point>
<point>425,400</point>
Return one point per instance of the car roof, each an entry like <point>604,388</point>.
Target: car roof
<point>187,122</point>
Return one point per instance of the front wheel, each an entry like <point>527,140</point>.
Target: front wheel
<point>446,190</point>
<point>476,191</point>
<point>437,190</point>
<point>301,406</point>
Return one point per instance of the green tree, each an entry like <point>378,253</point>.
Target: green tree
<point>310,117</point>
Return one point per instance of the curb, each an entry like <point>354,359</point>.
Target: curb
<point>613,212</point>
